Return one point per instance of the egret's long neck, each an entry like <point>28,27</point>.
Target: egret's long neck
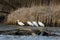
<point>18,21</point>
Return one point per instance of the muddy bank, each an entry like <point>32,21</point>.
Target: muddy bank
<point>28,30</point>
<point>18,30</point>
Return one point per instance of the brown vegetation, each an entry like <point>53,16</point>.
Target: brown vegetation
<point>46,11</point>
<point>47,14</point>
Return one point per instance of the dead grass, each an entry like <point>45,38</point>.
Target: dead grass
<point>49,15</point>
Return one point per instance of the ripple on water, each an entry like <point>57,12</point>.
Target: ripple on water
<point>11,37</point>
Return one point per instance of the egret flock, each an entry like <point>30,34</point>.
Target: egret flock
<point>33,23</point>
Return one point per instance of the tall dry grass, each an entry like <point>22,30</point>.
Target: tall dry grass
<point>49,15</point>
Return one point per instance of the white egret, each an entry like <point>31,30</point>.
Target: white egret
<point>30,23</point>
<point>20,23</point>
<point>35,23</point>
<point>42,25</point>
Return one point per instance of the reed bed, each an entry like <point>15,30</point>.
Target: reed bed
<point>49,15</point>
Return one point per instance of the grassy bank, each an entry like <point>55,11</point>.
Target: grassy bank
<point>49,15</point>
<point>46,11</point>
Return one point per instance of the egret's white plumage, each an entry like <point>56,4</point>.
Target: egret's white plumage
<point>20,23</point>
<point>35,23</point>
<point>41,24</point>
<point>30,23</point>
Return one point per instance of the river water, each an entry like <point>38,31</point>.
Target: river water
<point>16,37</point>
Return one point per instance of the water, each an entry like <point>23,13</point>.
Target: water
<point>11,37</point>
<point>17,37</point>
